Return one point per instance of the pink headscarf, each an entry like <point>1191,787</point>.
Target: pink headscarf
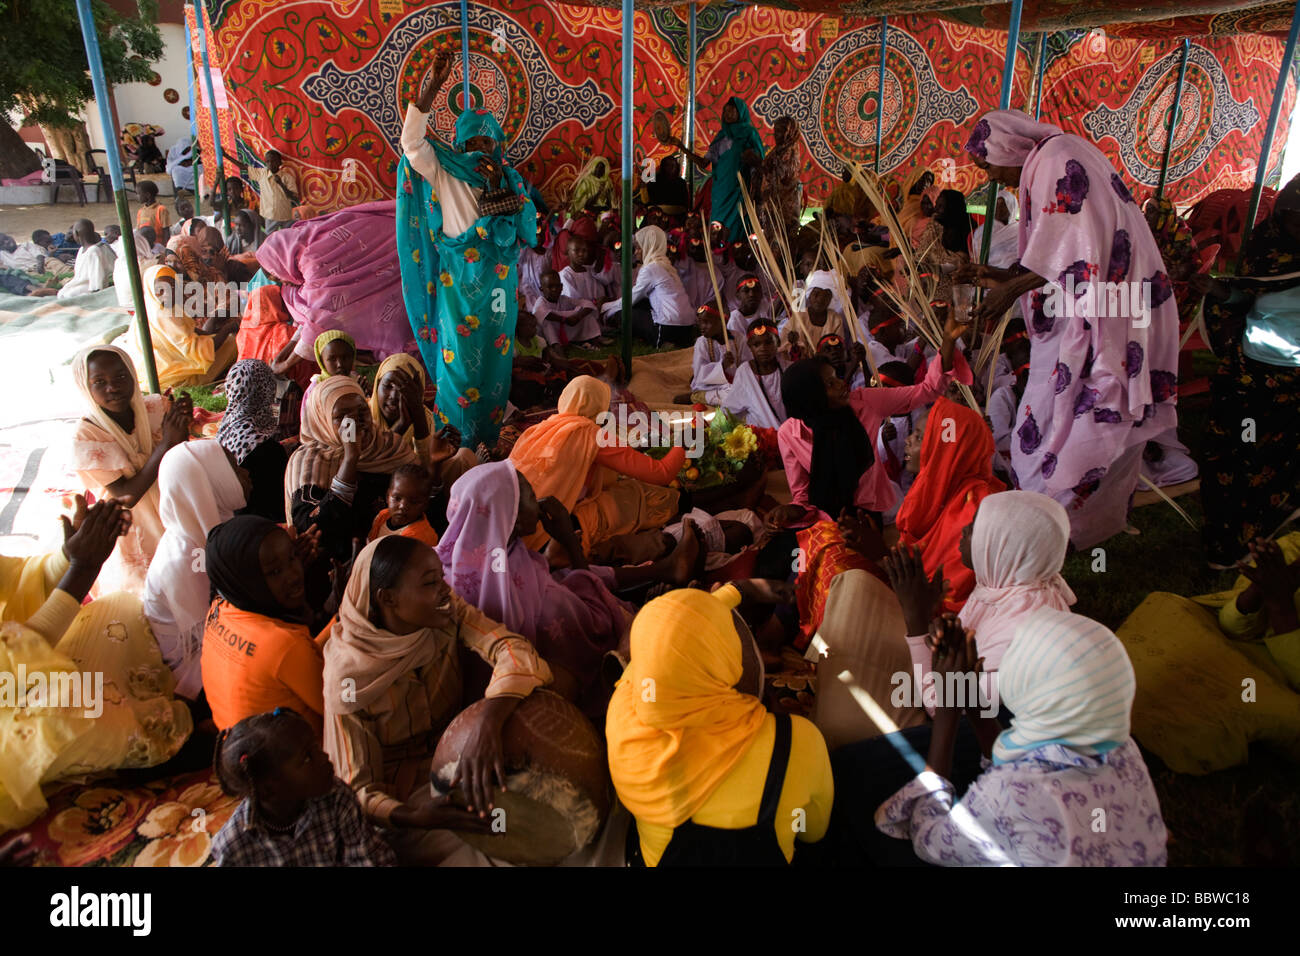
<point>1006,137</point>
<point>1017,547</point>
<point>571,622</point>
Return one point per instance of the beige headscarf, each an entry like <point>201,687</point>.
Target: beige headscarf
<point>653,242</point>
<point>371,657</point>
<point>317,459</point>
<point>138,445</point>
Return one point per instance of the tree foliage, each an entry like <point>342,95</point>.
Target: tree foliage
<point>44,73</point>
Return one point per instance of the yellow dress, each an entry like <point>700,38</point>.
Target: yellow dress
<point>183,357</point>
<point>122,715</point>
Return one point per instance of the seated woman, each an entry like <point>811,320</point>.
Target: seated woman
<point>662,312</point>
<point>709,775</point>
<point>258,653</point>
<point>563,458</point>
<point>249,432</point>
<point>1067,755</point>
<point>1264,603</point>
<point>956,474</point>
<point>116,450</point>
<point>126,716</point>
<point>570,616</point>
<point>826,444</point>
<point>1015,545</point>
<point>199,487</point>
<point>397,406</point>
<point>393,683</point>
<point>337,479</point>
<point>184,354</point>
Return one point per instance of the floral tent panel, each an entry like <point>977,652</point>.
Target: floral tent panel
<point>323,82</point>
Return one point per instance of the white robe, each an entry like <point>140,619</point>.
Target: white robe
<point>757,400</point>
<point>707,374</point>
<point>93,271</point>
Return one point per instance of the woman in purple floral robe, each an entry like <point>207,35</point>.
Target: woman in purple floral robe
<point>1101,316</point>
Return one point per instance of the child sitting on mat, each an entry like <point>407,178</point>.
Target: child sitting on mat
<point>295,812</point>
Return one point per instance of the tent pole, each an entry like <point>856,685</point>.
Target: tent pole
<point>1174,110</point>
<point>195,164</point>
<point>689,132</point>
<point>1042,67</point>
<point>1008,74</point>
<point>880,90</point>
<point>628,143</point>
<point>1273,115</point>
<point>464,53</point>
<point>114,157</point>
<point>200,18</point>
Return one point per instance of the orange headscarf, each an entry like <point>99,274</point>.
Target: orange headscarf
<point>556,455</point>
<point>956,475</point>
<point>676,725</point>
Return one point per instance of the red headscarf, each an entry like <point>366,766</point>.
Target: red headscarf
<point>956,475</point>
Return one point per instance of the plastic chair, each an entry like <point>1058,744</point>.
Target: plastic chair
<point>58,173</point>
<point>102,178</point>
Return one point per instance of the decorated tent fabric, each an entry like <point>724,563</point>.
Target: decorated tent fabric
<point>225,116</point>
<point>326,85</point>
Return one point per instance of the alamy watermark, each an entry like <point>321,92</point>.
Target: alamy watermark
<point>1089,299</point>
<point>210,299</point>
<point>63,690</point>
<point>636,429</point>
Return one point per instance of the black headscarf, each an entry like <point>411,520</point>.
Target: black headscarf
<point>841,449</point>
<point>235,566</point>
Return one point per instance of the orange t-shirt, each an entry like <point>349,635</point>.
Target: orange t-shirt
<point>253,664</point>
<point>420,530</point>
<point>156,216</point>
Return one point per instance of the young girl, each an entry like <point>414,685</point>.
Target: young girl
<point>116,450</point>
<point>755,391</point>
<point>295,811</point>
<point>827,445</point>
<point>665,316</point>
<point>408,500</point>
<point>713,366</point>
<point>578,279</point>
<point>258,652</point>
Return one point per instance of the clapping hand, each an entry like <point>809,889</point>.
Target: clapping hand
<point>920,596</point>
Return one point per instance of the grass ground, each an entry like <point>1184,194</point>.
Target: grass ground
<point>1205,815</point>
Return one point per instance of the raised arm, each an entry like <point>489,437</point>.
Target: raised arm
<point>415,145</point>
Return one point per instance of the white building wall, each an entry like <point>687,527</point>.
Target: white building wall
<point>142,103</point>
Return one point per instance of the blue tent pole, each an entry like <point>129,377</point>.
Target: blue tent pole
<point>1042,67</point>
<point>1173,118</point>
<point>114,156</point>
<point>689,132</point>
<point>195,162</point>
<point>464,52</point>
<point>628,143</point>
<point>880,90</point>
<point>220,188</point>
<point>1261,171</point>
<point>1008,74</point>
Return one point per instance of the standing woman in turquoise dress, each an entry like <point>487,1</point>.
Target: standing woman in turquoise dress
<point>461,217</point>
<point>735,149</point>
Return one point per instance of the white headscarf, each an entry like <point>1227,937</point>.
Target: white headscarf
<point>825,279</point>
<point>198,490</point>
<point>121,277</point>
<point>653,244</point>
<point>1068,680</point>
<point>1017,548</point>
<point>1006,137</point>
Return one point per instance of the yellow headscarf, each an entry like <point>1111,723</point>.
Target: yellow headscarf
<point>324,339</point>
<point>182,356</point>
<point>412,367</point>
<point>676,725</point>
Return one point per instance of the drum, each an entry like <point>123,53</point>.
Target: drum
<point>660,126</point>
<point>557,779</point>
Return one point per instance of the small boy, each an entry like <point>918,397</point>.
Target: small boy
<point>112,233</point>
<point>185,225</point>
<point>751,304</point>
<point>278,191</point>
<point>94,267</point>
<point>533,262</point>
<point>837,353</point>
<point>563,319</point>
<point>713,365</point>
<point>408,501</point>
<point>577,279</point>
<point>755,391</point>
<point>151,211</point>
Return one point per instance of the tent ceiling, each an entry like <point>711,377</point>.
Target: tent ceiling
<point>1146,18</point>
